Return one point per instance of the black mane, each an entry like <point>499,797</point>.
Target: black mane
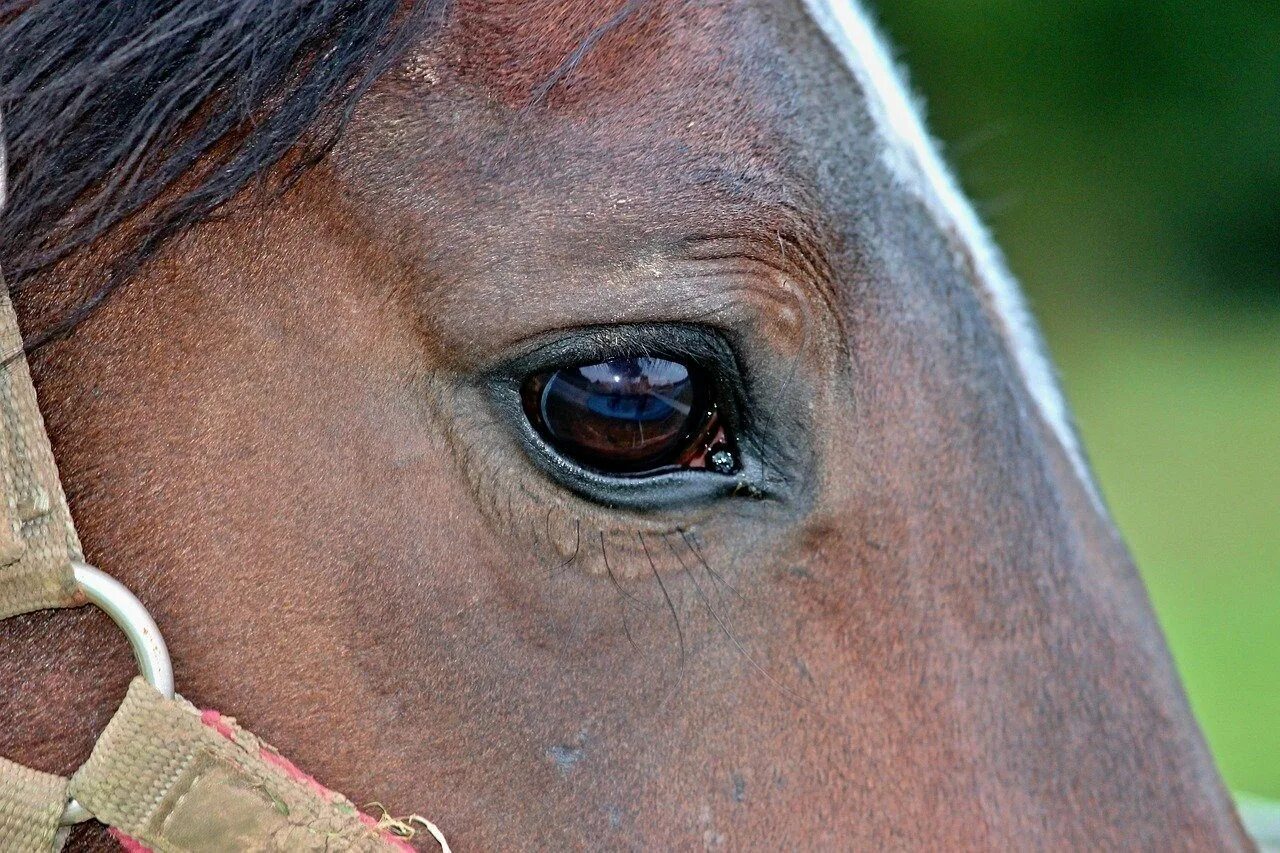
<point>116,110</point>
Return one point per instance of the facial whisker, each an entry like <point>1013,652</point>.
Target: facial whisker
<point>623,595</point>
<point>577,545</point>
<point>609,570</point>
<point>697,552</point>
<point>746,655</point>
<point>670,604</point>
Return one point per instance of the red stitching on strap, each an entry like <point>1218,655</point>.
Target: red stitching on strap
<point>219,724</point>
<point>128,844</point>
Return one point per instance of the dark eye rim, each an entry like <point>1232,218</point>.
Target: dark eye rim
<point>702,346</point>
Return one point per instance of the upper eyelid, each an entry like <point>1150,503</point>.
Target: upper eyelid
<point>753,289</point>
<point>584,344</point>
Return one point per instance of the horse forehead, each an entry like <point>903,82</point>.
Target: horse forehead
<point>513,48</point>
<point>648,99</point>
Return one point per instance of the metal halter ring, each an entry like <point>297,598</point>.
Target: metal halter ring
<point>114,599</point>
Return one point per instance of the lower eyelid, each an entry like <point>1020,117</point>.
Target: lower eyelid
<point>564,529</point>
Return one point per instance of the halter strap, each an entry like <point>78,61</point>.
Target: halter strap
<point>37,539</point>
<point>165,776</point>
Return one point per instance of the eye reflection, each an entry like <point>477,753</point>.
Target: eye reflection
<point>629,415</point>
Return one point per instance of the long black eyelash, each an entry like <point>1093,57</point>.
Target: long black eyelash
<point>666,595</point>
<point>609,569</point>
<point>622,593</point>
<point>719,620</point>
<point>697,552</point>
<point>577,546</point>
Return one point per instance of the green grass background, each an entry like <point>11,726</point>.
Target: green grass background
<point>1126,153</point>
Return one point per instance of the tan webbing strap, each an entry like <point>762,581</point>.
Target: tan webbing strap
<point>30,804</point>
<point>178,784</point>
<point>37,539</point>
<point>37,544</point>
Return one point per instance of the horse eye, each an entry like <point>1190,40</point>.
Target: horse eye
<point>630,416</point>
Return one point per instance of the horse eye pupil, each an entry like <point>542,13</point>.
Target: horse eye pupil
<point>625,415</point>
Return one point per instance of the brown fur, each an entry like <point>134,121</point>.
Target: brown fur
<point>277,437</point>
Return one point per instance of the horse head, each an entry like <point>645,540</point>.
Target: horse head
<point>624,435</point>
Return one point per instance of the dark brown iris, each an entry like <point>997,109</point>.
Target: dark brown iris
<point>626,415</point>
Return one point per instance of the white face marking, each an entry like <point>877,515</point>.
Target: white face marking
<point>914,160</point>
<point>4,167</point>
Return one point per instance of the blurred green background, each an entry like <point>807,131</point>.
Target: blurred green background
<point>1126,153</point>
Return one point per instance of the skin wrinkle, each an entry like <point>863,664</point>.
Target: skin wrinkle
<point>279,435</point>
